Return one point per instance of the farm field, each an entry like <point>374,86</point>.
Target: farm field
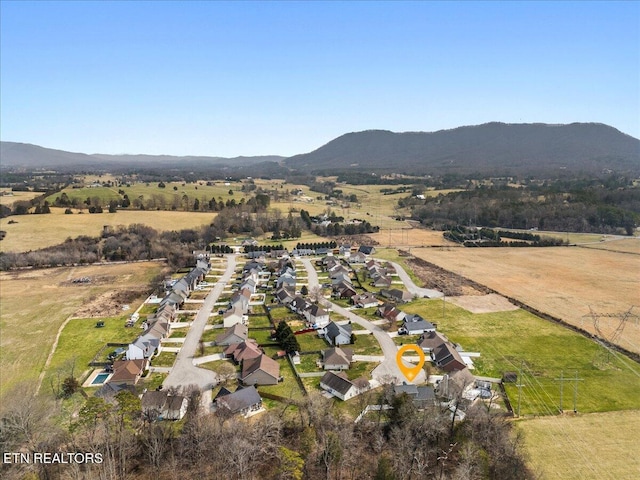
<point>627,245</point>
<point>16,196</point>
<point>511,340</point>
<point>560,281</point>
<point>31,232</point>
<point>35,303</point>
<point>593,446</point>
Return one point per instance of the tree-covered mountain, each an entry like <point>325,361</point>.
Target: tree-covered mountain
<point>492,148</point>
<point>24,155</point>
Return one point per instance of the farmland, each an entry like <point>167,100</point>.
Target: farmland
<point>34,304</point>
<point>31,232</point>
<point>563,282</point>
<point>597,445</point>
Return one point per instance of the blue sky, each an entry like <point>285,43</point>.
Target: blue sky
<point>257,78</point>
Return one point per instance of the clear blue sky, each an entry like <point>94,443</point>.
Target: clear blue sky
<point>245,78</point>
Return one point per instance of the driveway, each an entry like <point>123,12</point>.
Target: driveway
<point>388,369</point>
<point>184,372</point>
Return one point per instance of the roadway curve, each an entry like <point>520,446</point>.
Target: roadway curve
<point>412,287</point>
<point>388,368</point>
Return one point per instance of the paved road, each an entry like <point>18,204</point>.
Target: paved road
<point>389,367</point>
<point>412,287</point>
<point>184,372</point>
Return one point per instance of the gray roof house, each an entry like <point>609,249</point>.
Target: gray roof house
<point>260,371</point>
<point>337,358</point>
<point>339,386</point>
<point>235,334</point>
<point>414,324</point>
<point>244,401</point>
<point>421,396</point>
<point>338,334</point>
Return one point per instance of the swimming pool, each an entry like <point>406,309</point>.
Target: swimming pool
<point>100,378</point>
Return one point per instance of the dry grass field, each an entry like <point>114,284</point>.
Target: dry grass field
<point>16,196</point>
<point>35,303</point>
<point>592,446</point>
<point>404,236</point>
<point>626,245</point>
<point>31,232</point>
<point>560,281</point>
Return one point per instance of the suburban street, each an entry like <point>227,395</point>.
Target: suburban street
<point>389,367</point>
<point>184,372</point>
<point>412,287</point>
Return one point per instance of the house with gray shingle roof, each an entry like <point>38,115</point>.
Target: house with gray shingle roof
<point>338,334</point>
<point>338,385</point>
<point>244,401</point>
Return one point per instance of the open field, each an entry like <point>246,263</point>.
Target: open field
<point>35,303</point>
<point>560,281</point>
<point>511,340</point>
<point>31,232</point>
<point>624,245</point>
<point>16,196</point>
<point>405,236</point>
<point>593,446</point>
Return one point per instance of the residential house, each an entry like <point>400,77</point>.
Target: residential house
<point>382,281</point>
<point>390,312</point>
<point>367,249</point>
<point>317,317</point>
<point>160,405</point>
<point>145,346</point>
<point>235,334</point>
<point>260,371</point>
<point>128,372</point>
<point>233,316</point>
<point>299,305</point>
<point>431,340</point>
<point>343,290</point>
<point>447,358</point>
<point>246,350</point>
<point>414,324</point>
<point>365,300</point>
<point>337,358</point>
<point>341,387</point>
<point>244,401</point>
<point>338,334</point>
<point>284,295</point>
<point>456,384</point>
<point>421,396</point>
<point>397,295</point>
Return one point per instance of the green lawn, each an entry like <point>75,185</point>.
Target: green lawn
<point>508,341</point>
<point>280,313</point>
<point>148,308</point>
<point>310,342</point>
<point>164,359</point>
<point>361,369</point>
<point>153,380</point>
<point>80,341</point>
<point>256,321</point>
<point>179,333</point>
<point>366,345</point>
<point>261,336</point>
<point>210,335</point>
<point>308,363</point>
<point>288,388</point>
<point>406,339</point>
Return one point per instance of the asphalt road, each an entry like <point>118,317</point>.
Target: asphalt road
<point>184,372</point>
<point>388,369</point>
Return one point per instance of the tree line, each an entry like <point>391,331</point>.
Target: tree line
<point>307,439</point>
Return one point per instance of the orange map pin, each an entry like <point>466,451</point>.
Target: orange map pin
<point>410,372</point>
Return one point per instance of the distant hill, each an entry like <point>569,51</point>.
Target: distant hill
<point>25,155</point>
<point>492,148</point>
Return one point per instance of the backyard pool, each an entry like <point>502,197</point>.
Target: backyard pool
<point>100,378</point>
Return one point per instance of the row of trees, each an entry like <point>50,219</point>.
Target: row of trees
<point>592,209</point>
<point>312,441</point>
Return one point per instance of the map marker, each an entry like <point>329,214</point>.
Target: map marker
<point>413,371</point>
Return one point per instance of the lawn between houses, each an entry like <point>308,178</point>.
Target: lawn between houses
<point>510,340</point>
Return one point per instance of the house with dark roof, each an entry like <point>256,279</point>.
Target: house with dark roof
<point>244,401</point>
<point>422,396</point>
<point>390,312</point>
<point>343,290</point>
<point>365,300</point>
<point>235,334</point>
<point>414,324</point>
<point>285,295</point>
<point>455,384</point>
<point>336,358</point>
<point>367,249</point>
<point>396,295</point>
<point>447,358</point>
<point>338,385</point>
<point>338,334</point>
<point>429,341</point>
<point>299,304</point>
<point>383,281</point>
<point>260,371</point>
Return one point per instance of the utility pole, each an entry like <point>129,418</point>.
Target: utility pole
<point>520,385</point>
<point>575,392</point>
<point>575,381</point>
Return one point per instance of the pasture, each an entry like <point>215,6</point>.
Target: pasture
<point>593,446</point>
<point>34,304</point>
<point>32,232</point>
<point>8,197</point>
<point>514,340</point>
<point>561,281</point>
